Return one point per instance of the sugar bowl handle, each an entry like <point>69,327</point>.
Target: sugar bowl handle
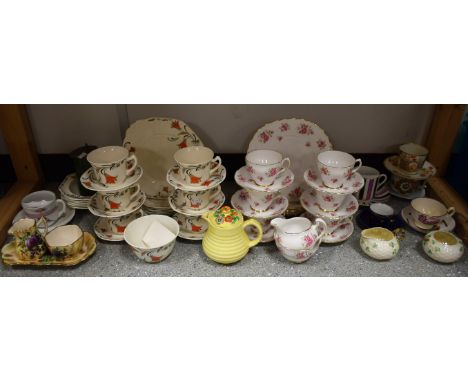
<point>257,225</point>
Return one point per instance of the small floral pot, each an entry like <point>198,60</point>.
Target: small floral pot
<point>443,247</point>
<point>64,241</point>
<point>380,243</point>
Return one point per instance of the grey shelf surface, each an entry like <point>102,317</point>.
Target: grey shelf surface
<point>188,259</point>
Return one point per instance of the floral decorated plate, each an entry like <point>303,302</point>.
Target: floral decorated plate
<point>350,185</point>
<point>448,224</point>
<point>132,207</point>
<point>243,179</point>
<point>240,201</point>
<point>214,204</point>
<point>64,219</point>
<point>428,170</point>
<point>10,257</point>
<point>154,141</point>
<point>216,179</point>
<point>89,181</point>
<point>297,139</point>
<point>349,206</point>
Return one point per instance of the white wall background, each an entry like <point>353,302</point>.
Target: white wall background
<point>229,128</point>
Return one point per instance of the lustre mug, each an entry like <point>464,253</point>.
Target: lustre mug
<point>373,182</point>
<point>428,212</point>
<point>412,157</point>
<point>336,166</point>
<point>117,200</point>
<point>195,200</point>
<point>197,164</point>
<point>265,166</point>
<point>112,165</point>
<point>261,200</point>
<point>28,239</point>
<point>43,204</point>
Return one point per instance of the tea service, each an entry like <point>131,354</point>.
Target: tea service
<point>112,229</point>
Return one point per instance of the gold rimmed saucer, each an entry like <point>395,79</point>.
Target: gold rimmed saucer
<point>10,257</point>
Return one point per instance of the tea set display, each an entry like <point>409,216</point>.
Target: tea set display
<point>163,183</point>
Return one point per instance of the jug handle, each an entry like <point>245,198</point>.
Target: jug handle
<point>257,225</point>
<point>43,221</point>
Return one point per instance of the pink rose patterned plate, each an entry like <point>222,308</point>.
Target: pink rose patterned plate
<point>243,178</point>
<point>350,185</point>
<point>240,201</point>
<point>297,139</point>
<point>349,206</point>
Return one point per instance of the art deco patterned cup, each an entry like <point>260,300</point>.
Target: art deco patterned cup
<point>196,200</point>
<point>118,225</point>
<point>112,164</point>
<point>336,166</point>
<point>117,200</point>
<point>197,164</point>
<point>412,157</point>
<point>195,224</point>
<point>265,166</point>
<point>429,212</point>
<point>260,200</point>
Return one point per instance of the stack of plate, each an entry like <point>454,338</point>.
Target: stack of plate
<point>70,193</point>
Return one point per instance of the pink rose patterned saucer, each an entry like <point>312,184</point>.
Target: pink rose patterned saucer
<point>349,206</point>
<point>350,185</point>
<point>240,201</point>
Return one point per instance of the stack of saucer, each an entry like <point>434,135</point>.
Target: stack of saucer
<point>410,171</point>
<point>114,174</point>
<point>266,174</point>
<point>196,179</point>
<point>331,195</point>
<point>70,193</point>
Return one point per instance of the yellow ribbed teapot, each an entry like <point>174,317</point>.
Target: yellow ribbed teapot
<point>226,241</point>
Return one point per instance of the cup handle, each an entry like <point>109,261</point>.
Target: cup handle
<point>43,221</point>
<point>216,193</point>
<point>257,225</point>
<point>135,193</point>
<point>320,222</point>
<point>284,161</point>
<point>381,181</point>
<point>63,208</point>
<point>359,164</point>
<point>217,160</point>
<point>451,211</point>
<point>132,158</point>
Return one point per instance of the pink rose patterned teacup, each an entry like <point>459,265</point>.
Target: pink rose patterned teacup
<point>260,200</point>
<point>336,166</point>
<point>329,201</point>
<point>265,166</point>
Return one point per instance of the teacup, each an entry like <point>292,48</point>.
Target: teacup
<point>429,212</point>
<point>165,233</point>
<point>412,157</point>
<point>117,225</point>
<point>329,201</point>
<point>29,240</point>
<point>117,200</point>
<point>265,166</point>
<point>260,200</point>
<point>112,165</point>
<point>64,241</point>
<point>43,203</point>
<point>197,164</point>
<point>336,166</point>
<point>373,182</point>
<point>334,224</point>
<point>196,200</point>
<point>380,243</point>
<point>194,224</point>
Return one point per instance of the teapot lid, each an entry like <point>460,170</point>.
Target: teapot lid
<point>226,217</point>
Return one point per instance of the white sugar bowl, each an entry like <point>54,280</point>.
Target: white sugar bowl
<point>443,247</point>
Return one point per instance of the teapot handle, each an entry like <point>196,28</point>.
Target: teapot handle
<point>257,225</point>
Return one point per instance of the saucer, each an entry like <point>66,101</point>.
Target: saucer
<point>350,186</point>
<point>103,231</point>
<point>391,164</point>
<point>64,219</point>
<point>448,224</point>
<point>342,233</point>
<point>267,236</point>
<point>188,235</point>
<point>212,206</point>
<point>243,179</point>
<point>349,206</point>
<point>70,193</point>
<point>132,207</point>
<point>240,201</point>
<point>10,257</point>
<point>90,182</point>
<point>364,220</point>
<point>410,196</point>
<point>215,179</point>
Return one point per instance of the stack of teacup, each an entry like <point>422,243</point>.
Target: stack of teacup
<point>114,174</point>
<point>196,178</point>
<point>331,196</point>
<point>262,179</point>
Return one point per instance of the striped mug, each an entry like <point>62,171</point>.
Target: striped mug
<point>373,181</point>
